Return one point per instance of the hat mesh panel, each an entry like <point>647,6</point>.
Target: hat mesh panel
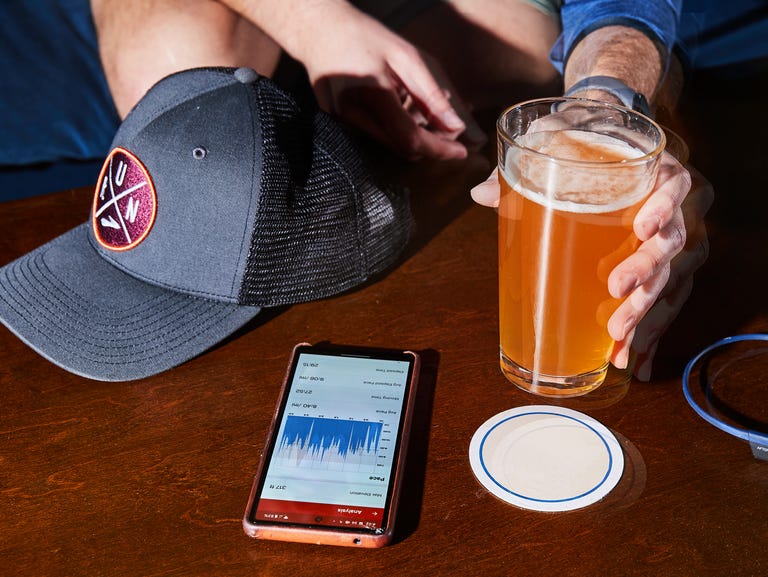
<point>322,225</point>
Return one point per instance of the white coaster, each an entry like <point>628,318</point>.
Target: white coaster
<point>546,458</point>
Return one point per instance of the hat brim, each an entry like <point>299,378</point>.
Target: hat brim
<point>92,319</point>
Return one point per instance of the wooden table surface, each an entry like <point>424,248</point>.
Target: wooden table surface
<point>151,477</point>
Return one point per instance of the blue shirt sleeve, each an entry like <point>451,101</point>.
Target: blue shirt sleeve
<point>657,18</point>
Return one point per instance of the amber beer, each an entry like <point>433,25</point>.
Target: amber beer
<point>568,200</point>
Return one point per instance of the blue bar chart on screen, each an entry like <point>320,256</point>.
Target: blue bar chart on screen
<point>346,445</point>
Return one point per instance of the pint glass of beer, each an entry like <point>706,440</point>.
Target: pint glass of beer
<point>573,174</point>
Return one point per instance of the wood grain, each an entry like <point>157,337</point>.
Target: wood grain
<point>151,477</point>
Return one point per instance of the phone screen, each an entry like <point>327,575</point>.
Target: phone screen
<point>332,459</point>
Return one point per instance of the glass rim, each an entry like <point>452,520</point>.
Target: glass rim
<point>646,157</point>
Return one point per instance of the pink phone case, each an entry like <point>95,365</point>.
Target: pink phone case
<point>326,535</point>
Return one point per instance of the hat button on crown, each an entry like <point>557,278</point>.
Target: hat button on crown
<point>246,75</point>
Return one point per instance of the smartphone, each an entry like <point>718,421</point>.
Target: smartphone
<point>332,465</point>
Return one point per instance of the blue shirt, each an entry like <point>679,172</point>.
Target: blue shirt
<point>54,101</point>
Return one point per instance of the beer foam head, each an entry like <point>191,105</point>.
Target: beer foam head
<point>579,171</point>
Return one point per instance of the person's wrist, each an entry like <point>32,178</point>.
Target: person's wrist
<point>621,52</point>
<point>610,89</point>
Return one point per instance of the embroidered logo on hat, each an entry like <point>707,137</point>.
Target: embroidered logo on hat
<point>125,202</point>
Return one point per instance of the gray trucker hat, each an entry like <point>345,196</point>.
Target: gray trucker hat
<point>220,196</point>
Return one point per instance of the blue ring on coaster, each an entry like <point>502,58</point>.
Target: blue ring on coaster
<point>546,458</point>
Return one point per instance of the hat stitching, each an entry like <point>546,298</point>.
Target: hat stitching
<point>224,299</point>
<point>127,349</point>
<point>34,269</point>
<point>73,309</point>
<point>183,96</point>
<point>242,261</point>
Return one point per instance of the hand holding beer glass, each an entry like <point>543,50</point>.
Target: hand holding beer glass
<point>573,176</point>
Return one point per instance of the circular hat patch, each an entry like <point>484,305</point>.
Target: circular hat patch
<point>125,202</point>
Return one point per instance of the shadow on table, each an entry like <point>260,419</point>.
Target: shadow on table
<point>724,122</point>
<point>411,498</point>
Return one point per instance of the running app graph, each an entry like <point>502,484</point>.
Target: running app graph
<point>329,444</point>
<point>332,458</point>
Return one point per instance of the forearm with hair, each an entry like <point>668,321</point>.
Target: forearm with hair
<point>621,52</point>
<point>631,56</point>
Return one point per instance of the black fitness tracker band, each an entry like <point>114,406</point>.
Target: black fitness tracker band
<point>627,96</point>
